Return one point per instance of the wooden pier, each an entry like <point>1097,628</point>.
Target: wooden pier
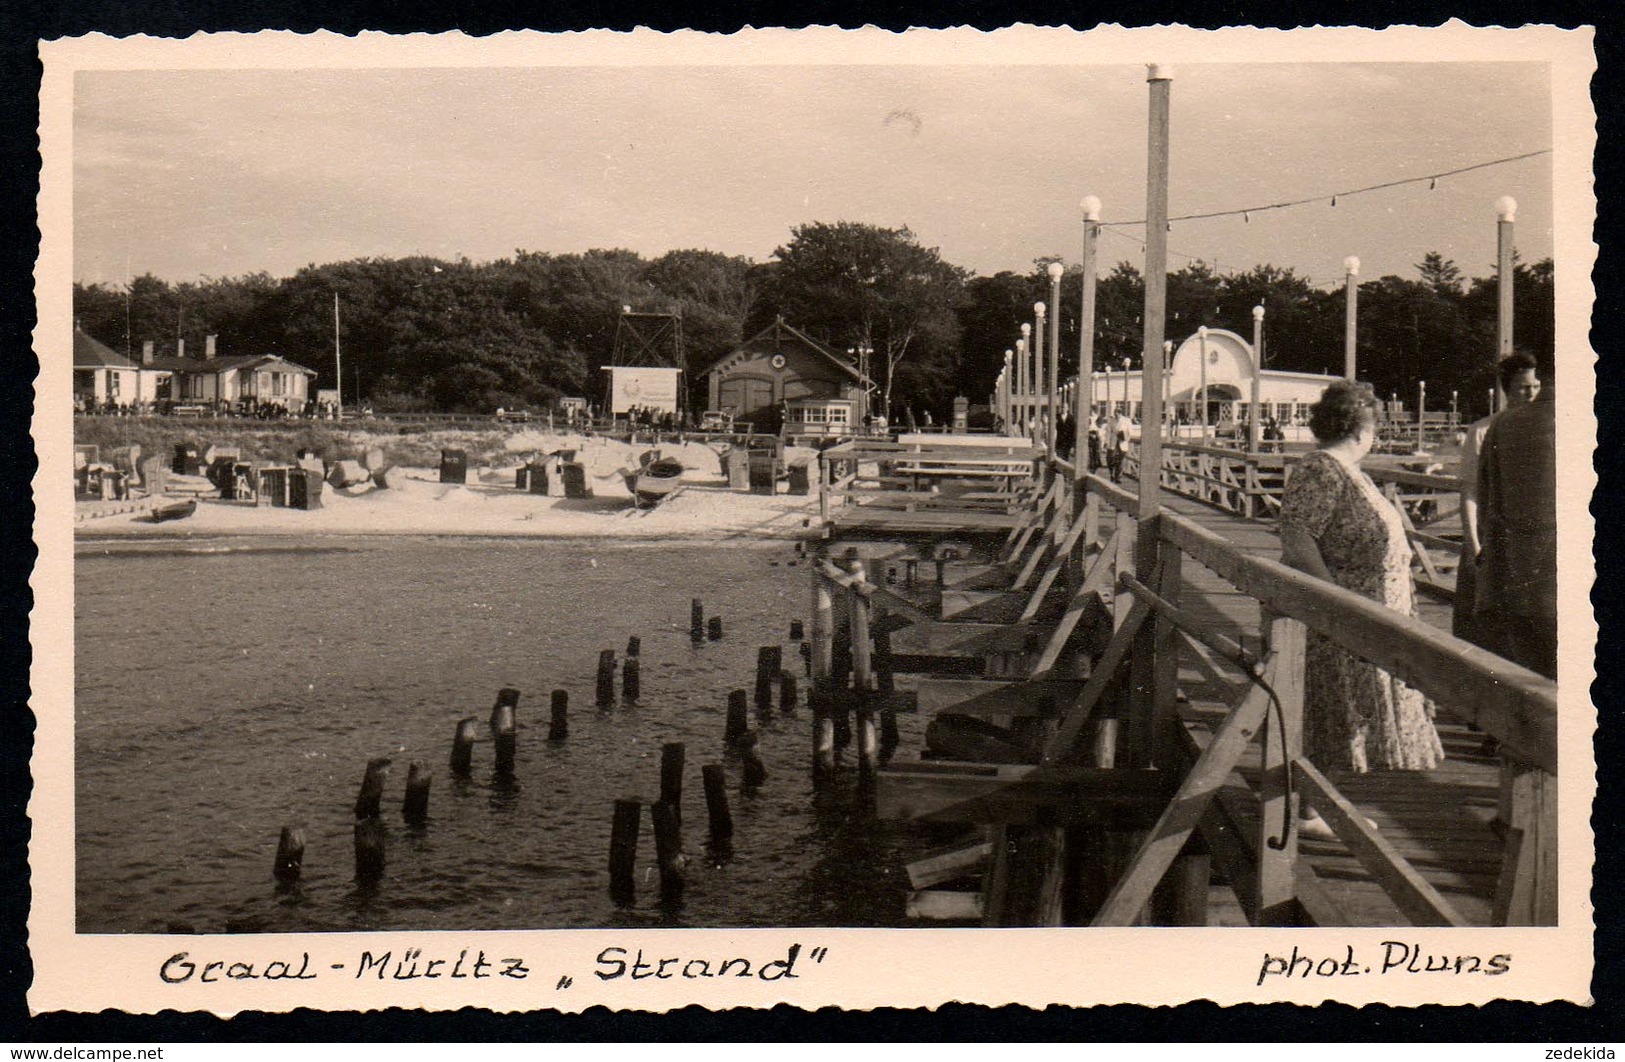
<point>1116,712</point>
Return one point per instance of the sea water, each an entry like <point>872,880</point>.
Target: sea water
<point>226,688</point>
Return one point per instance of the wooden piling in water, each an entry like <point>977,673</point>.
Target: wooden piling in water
<point>755,771</point>
<point>462,747</point>
<point>797,631</point>
<point>634,645</point>
<point>671,774</point>
<point>823,731</point>
<point>558,727</point>
<point>696,620</point>
<point>290,854</point>
<point>631,678</point>
<point>623,850</point>
<point>504,738</point>
<point>713,629</point>
<point>738,718</point>
<point>368,800</point>
<point>369,850</point>
<point>668,850</point>
<point>769,661</point>
<point>716,801</point>
<point>787,691</point>
<point>415,805</point>
<point>889,737</point>
<point>606,678</point>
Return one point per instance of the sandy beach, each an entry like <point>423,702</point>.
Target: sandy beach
<point>417,503</point>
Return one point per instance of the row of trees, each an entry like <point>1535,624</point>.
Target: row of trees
<point>425,333</point>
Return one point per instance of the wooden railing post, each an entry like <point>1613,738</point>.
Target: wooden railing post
<point>824,477</point>
<point>1278,811</point>
<point>1527,892</point>
<point>822,661</point>
<point>863,674</point>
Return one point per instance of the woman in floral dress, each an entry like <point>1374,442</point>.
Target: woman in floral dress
<point>1337,526</point>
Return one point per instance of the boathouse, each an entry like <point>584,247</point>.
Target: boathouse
<point>783,371</point>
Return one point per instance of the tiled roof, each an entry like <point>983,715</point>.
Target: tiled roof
<point>91,353</point>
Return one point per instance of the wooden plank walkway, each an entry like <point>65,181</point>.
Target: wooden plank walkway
<point>1439,819</point>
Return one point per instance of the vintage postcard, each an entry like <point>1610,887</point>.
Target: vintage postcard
<point>813,517</point>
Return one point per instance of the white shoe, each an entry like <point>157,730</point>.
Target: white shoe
<point>1316,828</point>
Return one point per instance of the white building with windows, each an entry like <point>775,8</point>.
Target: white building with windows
<point>1223,364</point>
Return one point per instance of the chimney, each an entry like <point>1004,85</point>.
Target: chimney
<point>180,348</point>
<point>208,347</point>
<point>146,352</point>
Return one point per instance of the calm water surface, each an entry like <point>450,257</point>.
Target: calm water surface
<point>226,688</point>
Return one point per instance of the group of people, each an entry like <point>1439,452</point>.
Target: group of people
<point>1337,526</point>
<point>1108,443</point>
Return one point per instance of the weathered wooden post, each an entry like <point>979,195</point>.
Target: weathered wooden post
<point>755,771</point>
<point>369,850</point>
<point>558,727</point>
<point>671,775</point>
<point>504,740</point>
<point>1278,815</point>
<point>415,805</point>
<point>797,631</point>
<point>623,850</point>
<point>769,659</point>
<point>668,850</point>
<point>713,628</point>
<point>787,691</point>
<point>631,678</point>
<point>738,718</point>
<point>290,855</point>
<point>634,645</point>
<point>820,662</point>
<point>462,747</point>
<point>716,801</point>
<point>606,678</point>
<point>367,801</point>
<point>696,621</point>
<point>863,679</point>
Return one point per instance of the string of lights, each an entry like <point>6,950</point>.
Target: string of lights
<point>1246,212</point>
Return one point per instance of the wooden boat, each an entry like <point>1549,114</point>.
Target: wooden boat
<point>174,511</point>
<point>655,481</point>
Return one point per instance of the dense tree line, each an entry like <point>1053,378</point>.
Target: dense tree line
<point>459,336</point>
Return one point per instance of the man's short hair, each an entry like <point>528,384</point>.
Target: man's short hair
<point>1514,365</point>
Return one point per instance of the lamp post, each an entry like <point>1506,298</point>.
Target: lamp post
<point>860,355</point>
<point>1454,416</point>
<point>1128,408</point>
<point>1038,370</point>
<point>1052,408</point>
<point>1351,303</point>
<point>1086,336</point>
<point>1201,337</point>
<point>1025,370</point>
<point>1007,413</point>
<point>1421,413</point>
<point>1258,371</point>
<point>1506,209</point>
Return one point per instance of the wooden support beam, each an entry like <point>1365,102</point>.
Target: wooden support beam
<point>1184,812</point>
<point>1041,697</point>
<point>1096,583</point>
<point>945,864</point>
<point>1018,794</point>
<point>1416,898</point>
<point>943,905</point>
<point>939,638</point>
<point>1078,715</point>
<point>1058,564</point>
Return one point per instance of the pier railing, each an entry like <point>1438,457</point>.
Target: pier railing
<point>1251,485</point>
<point>1115,733</point>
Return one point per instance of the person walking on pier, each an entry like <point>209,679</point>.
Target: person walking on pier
<point>1336,525</point>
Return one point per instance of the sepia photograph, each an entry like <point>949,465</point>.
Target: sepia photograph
<point>852,481</point>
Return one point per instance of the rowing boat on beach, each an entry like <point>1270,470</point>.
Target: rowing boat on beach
<point>655,481</point>
<point>174,511</point>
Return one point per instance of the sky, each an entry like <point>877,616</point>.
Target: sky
<point>188,174</point>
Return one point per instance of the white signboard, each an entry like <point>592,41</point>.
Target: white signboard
<point>642,387</point>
